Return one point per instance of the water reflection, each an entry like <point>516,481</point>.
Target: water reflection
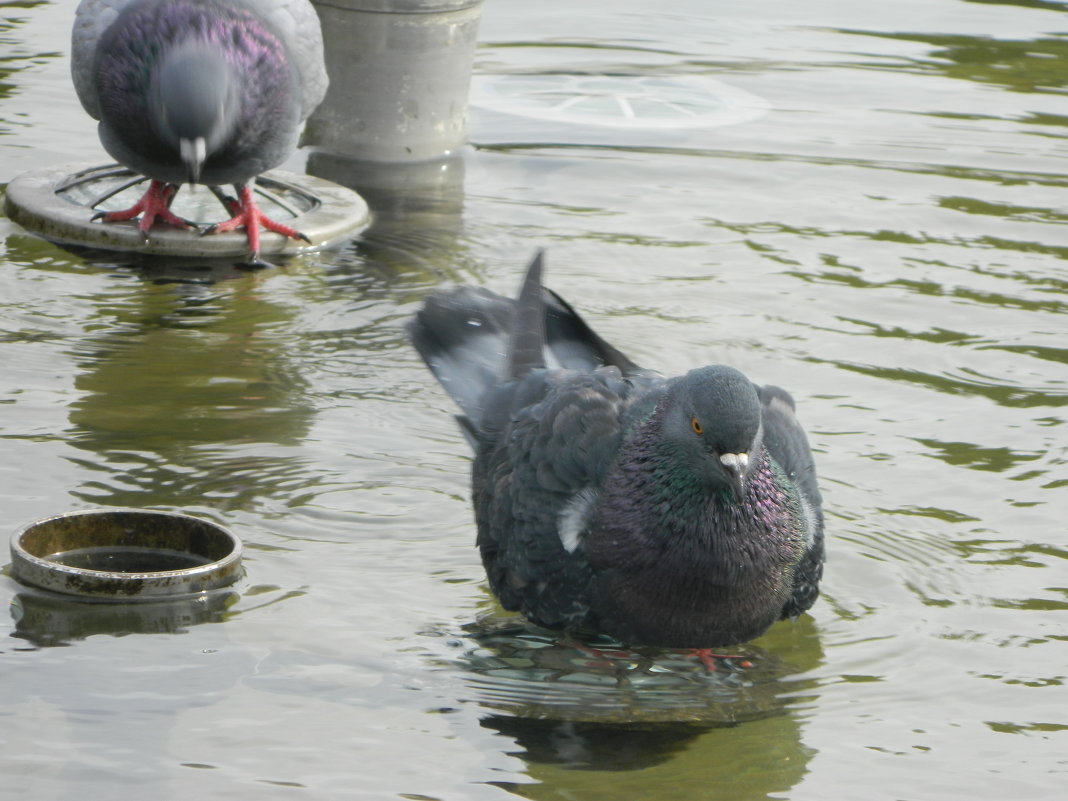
<point>1018,65</point>
<point>124,705</point>
<point>17,55</point>
<point>187,396</point>
<point>1045,5</point>
<point>578,709</point>
<point>47,619</point>
<point>750,761</point>
<point>595,746</point>
<point>166,269</point>
<point>532,673</point>
<point>416,211</point>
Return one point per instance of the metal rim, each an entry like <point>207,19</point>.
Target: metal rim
<point>40,201</point>
<point>33,568</point>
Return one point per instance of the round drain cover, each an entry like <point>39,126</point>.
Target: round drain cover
<point>624,102</point>
<point>59,202</point>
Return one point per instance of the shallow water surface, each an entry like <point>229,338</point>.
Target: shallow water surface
<point>871,215</point>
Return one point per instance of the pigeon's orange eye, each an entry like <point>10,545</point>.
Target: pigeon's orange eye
<point>695,424</point>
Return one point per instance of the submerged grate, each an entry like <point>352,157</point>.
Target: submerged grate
<point>638,102</point>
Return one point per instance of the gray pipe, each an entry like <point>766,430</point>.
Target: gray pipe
<point>400,71</point>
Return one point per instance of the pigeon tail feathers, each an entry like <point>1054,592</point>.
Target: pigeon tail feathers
<point>526,348</point>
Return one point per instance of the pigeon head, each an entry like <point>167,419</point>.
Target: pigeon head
<point>194,102</point>
<point>712,423</point>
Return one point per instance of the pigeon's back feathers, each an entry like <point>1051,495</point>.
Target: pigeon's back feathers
<point>679,512</point>
<point>299,26</point>
<point>91,19</point>
<point>786,440</point>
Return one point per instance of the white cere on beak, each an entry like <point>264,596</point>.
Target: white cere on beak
<point>194,152</point>
<point>735,462</point>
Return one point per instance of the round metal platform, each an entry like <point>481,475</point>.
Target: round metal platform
<point>59,202</point>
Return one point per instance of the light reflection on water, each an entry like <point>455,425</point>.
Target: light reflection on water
<point>886,242</point>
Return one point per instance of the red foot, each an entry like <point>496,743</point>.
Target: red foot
<point>708,659</point>
<point>155,204</point>
<point>247,215</point>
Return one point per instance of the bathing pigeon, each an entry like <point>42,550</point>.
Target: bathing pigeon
<point>680,513</point>
<point>199,91</point>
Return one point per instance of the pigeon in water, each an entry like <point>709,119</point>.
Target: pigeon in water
<point>199,91</point>
<point>680,513</point>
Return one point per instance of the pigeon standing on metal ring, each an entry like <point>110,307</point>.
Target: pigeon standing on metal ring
<point>199,91</point>
<point>680,513</point>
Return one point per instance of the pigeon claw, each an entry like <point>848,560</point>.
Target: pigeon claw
<point>247,215</point>
<point>154,206</point>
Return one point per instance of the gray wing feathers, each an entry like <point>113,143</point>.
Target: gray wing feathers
<point>92,18</point>
<point>462,336</point>
<point>788,445</point>
<point>297,22</point>
<point>786,440</point>
<point>536,485</point>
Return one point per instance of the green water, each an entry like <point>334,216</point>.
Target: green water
<point>885,239</point>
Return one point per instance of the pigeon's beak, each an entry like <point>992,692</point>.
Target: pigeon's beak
<point>194,151</point>
<point>735,465</point>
